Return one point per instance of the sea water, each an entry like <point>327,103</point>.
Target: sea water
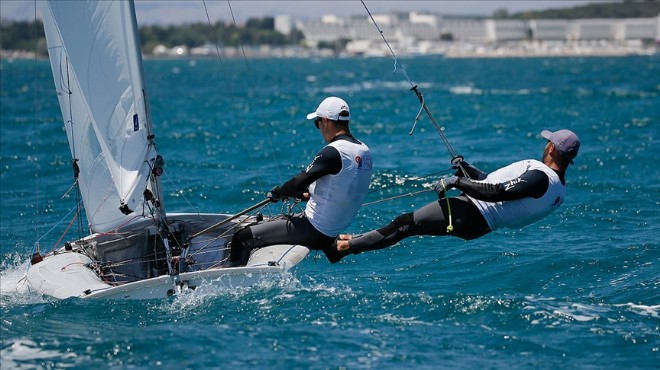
<point>578,289</point>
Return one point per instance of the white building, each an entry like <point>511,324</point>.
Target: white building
<point>418,18</point>
<point>329,29</point>
<point>464,29</point>
<point>283,24</point>
<point>411,30</point>
<point>637,28</point>
<point>505,29</point>
<point>549,29</point>
<point>592,29</point>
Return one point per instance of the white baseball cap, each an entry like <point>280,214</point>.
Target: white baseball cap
<point>332,108</point>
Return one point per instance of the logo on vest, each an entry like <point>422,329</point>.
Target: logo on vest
<point>509,185</point>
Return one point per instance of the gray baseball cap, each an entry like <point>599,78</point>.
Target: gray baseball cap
<point>566,142</point>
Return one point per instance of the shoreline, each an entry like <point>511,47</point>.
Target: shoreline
<point>453,51</point>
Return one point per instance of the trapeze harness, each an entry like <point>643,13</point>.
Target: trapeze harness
<point>337,180</point>
<point>513,196</point>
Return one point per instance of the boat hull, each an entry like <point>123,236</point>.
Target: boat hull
<point>65,275</point>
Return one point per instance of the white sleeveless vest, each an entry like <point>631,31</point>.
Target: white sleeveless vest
<point>515,214</point>
<point>335,199</point>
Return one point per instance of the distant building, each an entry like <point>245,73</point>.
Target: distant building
<point>421,26</point>
<point>637,29</point>
<point>330,29</point>
<point>505,30</point>
<point>422,33</point>
<point>464,29</point>
<point>549,29</point>
<point>283,24</point>
<point>591,29</point>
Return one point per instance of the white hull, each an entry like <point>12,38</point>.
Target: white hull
<point>69,273</point>
<point>65,275</point>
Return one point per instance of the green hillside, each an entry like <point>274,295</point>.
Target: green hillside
<point>625,9</point>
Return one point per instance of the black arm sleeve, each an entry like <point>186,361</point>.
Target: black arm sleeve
<point>532,184</point>
<point>326,162</point>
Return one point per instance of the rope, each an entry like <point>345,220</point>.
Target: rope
<point>36,129</point>
<point>254,88</point>
<point>65,231</point>
<point>229,88</point>
<point>241,213</point>
<point>396,197</point>
<point>250,75</point>
<point>414,88</point>
<point>450,227</point>
<point>74,158</point>
<point>401,184</point>
<point>35,248</point>
<point>388,45</point>
<point>411,179</point>
<point>58,223</point>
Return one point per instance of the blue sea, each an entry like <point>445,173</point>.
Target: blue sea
<point>578,289</point>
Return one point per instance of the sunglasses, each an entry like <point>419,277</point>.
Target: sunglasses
<point>317,121</point>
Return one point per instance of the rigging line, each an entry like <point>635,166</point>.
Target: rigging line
<point>224,72</point>
<point>224,234</point>
<point>230,218</point>
<point>254,88</point>
<point>174,185</point>
<point>35,248</point>
<point>74,159</point>
<point>36,131</point>
<point>388,44</point>
<point>210,241</point>
<point>415,89</point>
<point>397,197</point>
<point>410,179</point>
<point>59,222</point>
<point>403,183</point>
<point>229,90</point>
<point>65,232</point>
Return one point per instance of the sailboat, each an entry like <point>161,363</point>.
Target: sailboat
<point>135,250</point>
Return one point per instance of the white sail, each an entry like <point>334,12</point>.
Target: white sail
<point>97,66</point>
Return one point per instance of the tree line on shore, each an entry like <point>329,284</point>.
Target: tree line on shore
<point>624,9</point>
<point>29,35</point>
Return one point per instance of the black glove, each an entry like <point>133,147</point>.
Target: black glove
<point>446,184</point>
<point>472,172</point>
<point>303,197</point>
<point>459,164</point>
<point>274,194</point>
<point>456,162</point>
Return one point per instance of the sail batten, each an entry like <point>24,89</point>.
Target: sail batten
<point>97,67</point>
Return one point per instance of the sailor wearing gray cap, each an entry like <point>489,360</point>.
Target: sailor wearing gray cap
<point>565,141</point>
<point>513,196</point>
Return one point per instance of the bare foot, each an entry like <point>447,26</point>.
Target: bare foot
<point>342,242</point>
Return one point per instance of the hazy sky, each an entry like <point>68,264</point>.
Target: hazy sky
<point>177,12</point>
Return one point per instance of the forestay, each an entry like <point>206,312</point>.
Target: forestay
<point>97,65</point>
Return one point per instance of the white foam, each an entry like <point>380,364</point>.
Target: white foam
<point>644,310</point>
<point>14,289</point>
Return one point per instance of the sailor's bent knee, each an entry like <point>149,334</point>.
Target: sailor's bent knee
<point>399,222</point>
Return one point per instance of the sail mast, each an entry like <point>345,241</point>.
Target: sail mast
<point>157,163</point>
